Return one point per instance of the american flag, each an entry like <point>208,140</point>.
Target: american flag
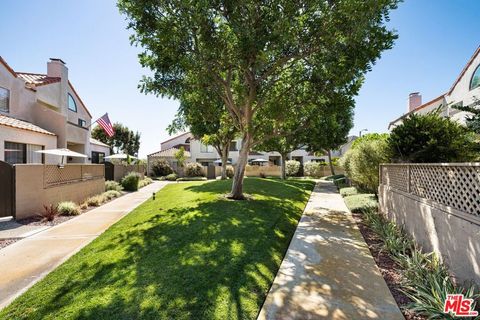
<point>105,123</point>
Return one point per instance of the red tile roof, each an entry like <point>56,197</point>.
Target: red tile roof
<point>19,124</point>
<point>37,79</point>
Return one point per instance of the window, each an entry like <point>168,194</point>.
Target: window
<point>233,146</point>
<point>475,82</point>
<point>23,153</point>
<point>4,99</point>
<point>98,157</point>
<point>206,148</point>
<point>72,106</point>
<point>82,123</point>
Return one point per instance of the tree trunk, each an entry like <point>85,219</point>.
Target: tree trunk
<point>224,156</point>
<point>237,186</point>
<point>332,169</point>
<point>283,175</point>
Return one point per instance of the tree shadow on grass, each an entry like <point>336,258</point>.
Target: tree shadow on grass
<point>203,260</point>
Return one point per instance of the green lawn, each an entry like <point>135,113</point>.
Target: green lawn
<point>190,254</point>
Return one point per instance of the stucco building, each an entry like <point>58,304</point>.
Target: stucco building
<point>464,91</point>
<point>43,111</point>
<point>206,155</point>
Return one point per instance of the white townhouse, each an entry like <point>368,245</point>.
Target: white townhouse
<point>464,91</point>
<point>43,111</point>
<point>205,154</point>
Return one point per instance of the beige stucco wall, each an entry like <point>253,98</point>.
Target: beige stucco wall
<point>31,194</point>
<point>454,235</point>
<point>27,137</point>
<point>21,100</point>
<point>121,171</point>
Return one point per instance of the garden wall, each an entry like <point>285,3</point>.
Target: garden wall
<point>439,206</point>
<point>117,171</point>
<point>37,185</point>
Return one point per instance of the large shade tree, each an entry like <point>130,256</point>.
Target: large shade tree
<point>242,49</point>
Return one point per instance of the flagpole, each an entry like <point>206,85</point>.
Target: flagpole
<point>92,123</point>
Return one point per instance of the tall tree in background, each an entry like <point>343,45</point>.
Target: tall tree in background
<point>123,140</point>
<point>241,50</point>
<point>329,130</point>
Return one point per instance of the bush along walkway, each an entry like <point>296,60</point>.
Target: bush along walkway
<point>418,281</point>
<point>27,261</point>
<point>328,271</point>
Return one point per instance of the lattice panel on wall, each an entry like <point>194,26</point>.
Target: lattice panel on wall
<point>396,176</point>
<point>53,175</point>
<point>456,185</point>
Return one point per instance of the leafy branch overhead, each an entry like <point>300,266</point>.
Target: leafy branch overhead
<point>253,56</point>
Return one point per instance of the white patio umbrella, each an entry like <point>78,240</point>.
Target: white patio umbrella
<point>259,160</point>
<point>63,153</point>
<point>219,161</point>
<point>119,156</point>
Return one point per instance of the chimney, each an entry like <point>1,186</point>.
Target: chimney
<point>414,101</point>
<point>56,68</point>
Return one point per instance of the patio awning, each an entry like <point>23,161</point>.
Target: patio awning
<point>119,156</point>
<point>63,153</point>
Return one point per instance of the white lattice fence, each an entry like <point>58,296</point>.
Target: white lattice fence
<point>453,185</point>
<point>396,176</point>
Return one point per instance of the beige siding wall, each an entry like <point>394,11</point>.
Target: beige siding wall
<point>31,193</point>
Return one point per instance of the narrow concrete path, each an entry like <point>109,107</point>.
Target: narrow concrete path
<point>328,271</point>
<point>27,261</point>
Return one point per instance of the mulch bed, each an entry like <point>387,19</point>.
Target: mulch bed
<point>388,268</point>
<point>6,242</point>
<point>39,221</point>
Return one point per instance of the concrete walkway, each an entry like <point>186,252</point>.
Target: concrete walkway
<point>29,260</point>
<point>328,271</point>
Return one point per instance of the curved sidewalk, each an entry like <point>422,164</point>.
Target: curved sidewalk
<point>29,260</point>
<point>328,271</point>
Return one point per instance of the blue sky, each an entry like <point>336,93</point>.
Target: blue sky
<point>436,39</point>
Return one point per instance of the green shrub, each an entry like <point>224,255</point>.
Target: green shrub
<point>161,167</point>
<point>292,167</point>
<point>313,169</point>
<point>362,161</point>
<point>95,201</point>
<point>171,177</point>
<point>112,185</point>
<point>361,202</point>
<point>348,191</point>
<point>192,179</point>
<point>111,194</point>
<point>144,182</point>
<point>230,171</point>
<point>68,208</point>
<point>431,138</point>
<point>334,177</point>
<point>426,280</point>
<point>130,181</point>
<point>194,169</point>
<point>341,183</point>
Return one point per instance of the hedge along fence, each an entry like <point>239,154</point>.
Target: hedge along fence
<point>439,206</point>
